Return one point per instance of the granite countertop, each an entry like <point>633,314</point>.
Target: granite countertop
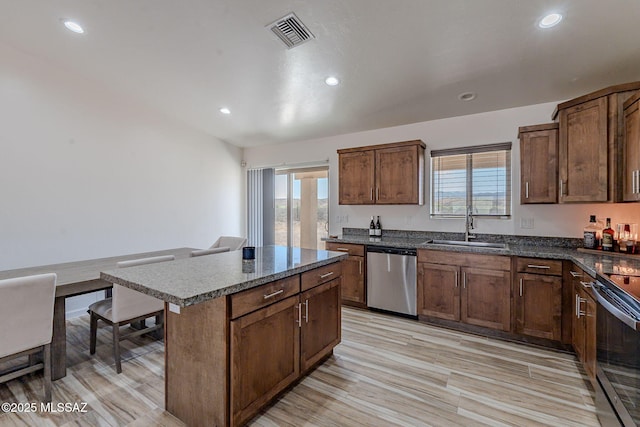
<point>193,280</point>
<point>536,247</point>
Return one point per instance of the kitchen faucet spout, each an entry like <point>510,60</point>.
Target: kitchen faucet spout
<point>468,225</point>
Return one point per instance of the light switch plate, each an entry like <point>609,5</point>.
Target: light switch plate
<point>526,223</point>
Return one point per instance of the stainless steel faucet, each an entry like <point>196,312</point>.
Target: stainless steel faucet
<point>468,225</point>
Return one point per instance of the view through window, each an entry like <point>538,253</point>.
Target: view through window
<point>302,207</point>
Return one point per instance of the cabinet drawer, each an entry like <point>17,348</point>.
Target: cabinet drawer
<point>539,266</point>
<point>253,299</point>
<point>349,248</point>
<point>320,275</point>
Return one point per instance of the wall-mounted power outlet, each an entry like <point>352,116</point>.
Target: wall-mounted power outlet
<point>526,223</point>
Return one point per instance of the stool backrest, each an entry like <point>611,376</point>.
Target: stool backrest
<point>26,312</point>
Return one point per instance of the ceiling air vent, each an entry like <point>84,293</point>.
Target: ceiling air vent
<point>291,30</point>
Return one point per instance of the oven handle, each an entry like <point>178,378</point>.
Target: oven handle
<point>619,314</point>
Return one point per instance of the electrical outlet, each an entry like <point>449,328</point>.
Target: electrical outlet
<point>338,219</point>
<point>526,223</point>
<point>345,219</point>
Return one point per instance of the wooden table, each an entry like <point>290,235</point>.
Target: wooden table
<point>77,278</point>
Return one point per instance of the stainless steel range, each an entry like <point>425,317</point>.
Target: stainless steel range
<point>618,351</point>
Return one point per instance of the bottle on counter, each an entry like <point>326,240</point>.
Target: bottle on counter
<point>608,237</point>
<point>378,227</point>
<point>372,228</point>
<point>624,236</point>
<point>591,234</point>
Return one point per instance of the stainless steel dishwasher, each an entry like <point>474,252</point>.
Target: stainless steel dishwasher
<point>391,279</point>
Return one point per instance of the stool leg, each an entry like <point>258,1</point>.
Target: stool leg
<point>116,346</point>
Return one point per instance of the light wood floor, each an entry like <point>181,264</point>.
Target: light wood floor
<point>387,371</point>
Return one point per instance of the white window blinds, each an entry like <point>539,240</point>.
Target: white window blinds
<point>473,177</point>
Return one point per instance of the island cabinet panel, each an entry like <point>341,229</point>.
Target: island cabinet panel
<point>320,275</point>
<point>452,287</point>
<point>539,163</point>
<point>320,323</point>
<point>264,356</point>
<point>256,298</point>
<point>354,270</point>
<point>196,363</point>
<point>584,320</point>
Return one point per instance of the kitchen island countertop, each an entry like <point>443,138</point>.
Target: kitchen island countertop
<point>193,280</point>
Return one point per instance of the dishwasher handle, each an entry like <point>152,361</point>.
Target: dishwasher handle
<point>392,250</point>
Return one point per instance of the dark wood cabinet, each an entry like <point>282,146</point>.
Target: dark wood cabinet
<point>538,297</point>
<point>590,145</point>
<point>452,287</point>
<point>354,271</point>
<point>486,298</point>
<point>584,320</point>
<point>320,320</point>
<point>539,163</point>
<point>390,174</point>
<point>258,375</point>
<point>631,150</point>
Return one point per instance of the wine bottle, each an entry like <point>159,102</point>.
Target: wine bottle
<point>607,237</point>
<point>378,228</point>
<point>372,228</point>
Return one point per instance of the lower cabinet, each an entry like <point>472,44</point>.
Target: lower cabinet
<point>584,321</point>
<point>452,287</point>
<point>272,346</point>
<point>538,297</point>
<point>353,273</point>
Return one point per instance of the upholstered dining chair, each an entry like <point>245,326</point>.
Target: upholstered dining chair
<point>26,316</point>
<point>223,244</point>
<point>126,306</point>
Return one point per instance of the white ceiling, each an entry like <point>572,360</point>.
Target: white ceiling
<point>399,61</point>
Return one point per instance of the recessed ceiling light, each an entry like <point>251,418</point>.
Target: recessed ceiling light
<point>550,20</point>
<point>467,96</point>
<point>332,81</point>
<point>73,26</point>
<point>225,110</point>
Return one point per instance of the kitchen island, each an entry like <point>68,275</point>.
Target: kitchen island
<point>237,333</point>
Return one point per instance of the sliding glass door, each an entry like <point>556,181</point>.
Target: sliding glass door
<point>302,207</point>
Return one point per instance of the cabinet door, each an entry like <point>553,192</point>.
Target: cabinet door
<point>583,152</point>
<point>539,167</point>
<point>353,288</point>
<point>258,375</point>
<point>398,175</point>
<point>320,322</point>
<point>631,177</point>
<point>590,337</point>
<point>539,306</point>
<point>357,178</point>
<point>439,291</point>
<point>578,321</point>
<point>486,298</point>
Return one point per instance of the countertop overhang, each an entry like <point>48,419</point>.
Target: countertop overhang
<point>193,280</point>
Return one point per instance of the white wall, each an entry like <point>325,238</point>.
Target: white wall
<point>477,129</point>
<point>85,173</point>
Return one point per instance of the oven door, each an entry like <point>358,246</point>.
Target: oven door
<point>618,359</point>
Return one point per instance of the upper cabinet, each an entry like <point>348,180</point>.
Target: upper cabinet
<point>631,150</point>
<point>539,163</point>
<point>391,174</point>
<point>590,143</point>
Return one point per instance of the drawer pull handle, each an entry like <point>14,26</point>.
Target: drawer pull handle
<point>575,274</point>
<point>324,276</point>
<point>521,280</point>
<point>585,284</point>
<point>541,267</point>
<point>271,295</point>
<point>342,249</point>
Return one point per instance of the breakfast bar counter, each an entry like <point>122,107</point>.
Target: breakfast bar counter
<point>239,332</point>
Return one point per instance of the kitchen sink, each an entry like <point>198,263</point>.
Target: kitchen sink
<point>471,244</point>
